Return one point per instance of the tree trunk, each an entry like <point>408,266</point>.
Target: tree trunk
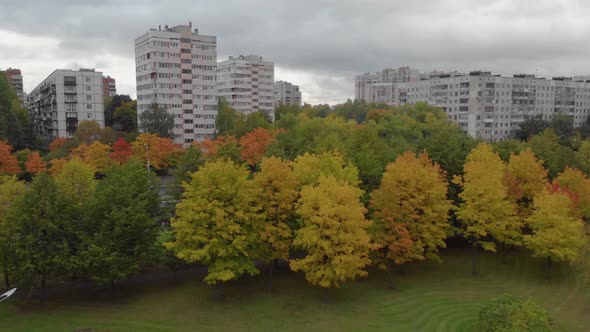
<point>44,289</point>
<point>276,262</point>
<point>271,268</point>
<point>474,271</point>
<point>390,275</point>
<point>112,285</point>
<point>6,280</point>
<point>548,271</point>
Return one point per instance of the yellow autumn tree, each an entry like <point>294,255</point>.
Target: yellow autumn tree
<point>557,232</point>
<point>76,181</point>
<point>218,221</point>
<point>309,167</point>
<point>412,198</point>
<point>56,165</point>
<point>333,233</point>
<point>578,183</point>
<point>487,214</point>
<point>278,197</point>
<point>95,155</point>
<point>526,177</point>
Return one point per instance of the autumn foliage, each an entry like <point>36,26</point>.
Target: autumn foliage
<point>121,151</point>
<point>8,162</point>
<point>57,143</point>
<point>162,151</point>
<point>35,164</point>
<point>253,145</point>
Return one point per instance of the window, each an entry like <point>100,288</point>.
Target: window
<point>87,79</point>
<point>88,97</point>
<point>88,106</point>
<point>88,88</point>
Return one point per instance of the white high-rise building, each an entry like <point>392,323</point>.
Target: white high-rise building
<point>491,107</point>
<point>63,99</point>
<point>247,84</point>
<point>176,68</point>
<point>364,81</point>
<point>286,93</point>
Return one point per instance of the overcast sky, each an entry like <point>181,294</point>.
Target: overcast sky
<point>319,44</point>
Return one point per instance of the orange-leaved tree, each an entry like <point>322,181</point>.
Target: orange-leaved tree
<point>35,164</point>
<point>57,143</point>
<point>254,144</point>
<point>161,152</point>
<point>8,162</point>
<point>121,151</point>
<point>224,147</point>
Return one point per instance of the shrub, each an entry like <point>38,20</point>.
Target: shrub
<point>512,314</point>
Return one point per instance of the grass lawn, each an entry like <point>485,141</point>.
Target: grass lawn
<point>430,297</point>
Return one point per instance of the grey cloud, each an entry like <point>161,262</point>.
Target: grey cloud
<point>331,39</point>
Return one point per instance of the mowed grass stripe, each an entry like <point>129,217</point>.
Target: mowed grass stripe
<point>429,297</point>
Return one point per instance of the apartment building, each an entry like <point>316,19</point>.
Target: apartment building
<point>491,107</point>
<point>15,78</point>
<point>364,82</point>
<point>286,93</point>
<point>109,86</point>
<point>66,97</point>
<point>247,84</point>
<point>176,68</point>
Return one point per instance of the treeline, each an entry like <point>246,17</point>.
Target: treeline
<point>15,126</point>
<point>327,194</point>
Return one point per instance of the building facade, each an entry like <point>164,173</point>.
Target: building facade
<point>286,93</point>
<point>491,107</point>
<point>364,82</point>
<point>66,97</point>
<point>176,68</point>
<point>109,86</point>
<point>247,84</point>
<point>15,78</point>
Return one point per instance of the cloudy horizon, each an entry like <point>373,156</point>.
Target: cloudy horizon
<point>317,45</point>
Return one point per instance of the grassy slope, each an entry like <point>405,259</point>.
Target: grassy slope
<point>430,297</point>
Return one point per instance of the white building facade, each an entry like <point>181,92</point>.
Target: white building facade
<point>66,97</point>
<point>176,68</point>
<point>364,83</point>
<point>247,84</point>
<point>489,106</point>
<point>286,93</point>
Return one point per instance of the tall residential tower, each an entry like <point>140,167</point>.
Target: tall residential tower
<point>247,84</point>
<point>287,93</point>
<point>176,68</point>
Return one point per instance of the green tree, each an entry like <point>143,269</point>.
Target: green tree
<point>226,118</point>
<point>156,120</point>
<point>15,126</point>
<point>486,214</point>
<point>218,222</point>
<point>110,106</point>
<point>76,181</point>
<point>125,117</point>
<point>37,226</point>
<point>555,156</point>
<point>120,225</point>
<point>512,314</point>
<point>333,233</point>
<point>11,191</point>
<point>531,126</point>
<point>582,157</point>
